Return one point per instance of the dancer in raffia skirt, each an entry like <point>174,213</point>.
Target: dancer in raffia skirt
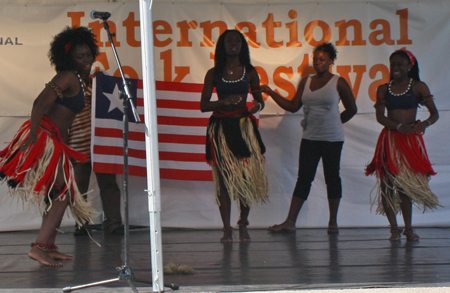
<point>234,147</point>
<point>401,162</point>
<point>37,163</point>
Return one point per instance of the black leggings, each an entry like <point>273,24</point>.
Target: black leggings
<point>311,152</point>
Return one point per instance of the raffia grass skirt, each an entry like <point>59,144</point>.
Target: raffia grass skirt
<point>31,174</point>
<point>244,177</point>
<point>401,164</point>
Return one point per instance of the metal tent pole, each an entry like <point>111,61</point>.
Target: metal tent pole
<point>151,141</point>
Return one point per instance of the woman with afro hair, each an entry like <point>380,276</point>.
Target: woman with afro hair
<point>37,163</point>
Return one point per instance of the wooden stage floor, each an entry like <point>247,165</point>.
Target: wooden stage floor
<point>306,259</point>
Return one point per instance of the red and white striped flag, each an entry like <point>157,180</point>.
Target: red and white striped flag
<point>181,130</point>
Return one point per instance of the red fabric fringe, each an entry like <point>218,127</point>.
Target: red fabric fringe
<point>16,165</point>
<point>410,148</point>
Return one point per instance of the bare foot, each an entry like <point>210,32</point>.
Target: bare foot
<point>58,255</point>
<point>396,234</point>
<point>410,235</point>
<point>243,234</point>
<point>286,226</point>
<point>43,257</point>
<point>333,228</point>
<point>227,235</point>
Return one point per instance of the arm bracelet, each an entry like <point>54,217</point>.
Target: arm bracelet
<point>56,88</point>
<point>398,126</point>
<point>429,123</point>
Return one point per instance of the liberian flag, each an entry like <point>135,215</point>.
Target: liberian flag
<point>181,130</point>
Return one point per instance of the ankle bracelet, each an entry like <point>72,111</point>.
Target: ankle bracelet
<point>45,247</point>
<point>243,223</point>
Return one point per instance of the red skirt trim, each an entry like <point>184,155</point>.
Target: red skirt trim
<point>32,173</point>
<point>401,164</point>
<point>410,148</point>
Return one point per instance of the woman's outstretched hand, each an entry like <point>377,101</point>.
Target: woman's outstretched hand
<point>30,140</point>
<point>266,89</point>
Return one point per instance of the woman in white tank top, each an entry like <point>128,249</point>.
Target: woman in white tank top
<point>323,133</point>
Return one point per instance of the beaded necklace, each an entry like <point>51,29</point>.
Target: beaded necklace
<point>401,94</point>
<point>237,80</point>
<point>81,82</point>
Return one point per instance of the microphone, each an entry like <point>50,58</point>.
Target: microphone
<point>100,14</point>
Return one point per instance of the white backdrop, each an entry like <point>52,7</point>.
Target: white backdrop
<point>285,33</point>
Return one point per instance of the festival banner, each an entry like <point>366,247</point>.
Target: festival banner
<point>281,38</point>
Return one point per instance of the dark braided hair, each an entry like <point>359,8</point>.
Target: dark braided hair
<point>64,42</point>
<point>220,57</point>
<point>327,48</point>
<point>414,72</point>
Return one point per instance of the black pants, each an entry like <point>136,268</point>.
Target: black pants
<point>311,152</point>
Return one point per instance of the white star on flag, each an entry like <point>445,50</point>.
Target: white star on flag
<point>113,97</point>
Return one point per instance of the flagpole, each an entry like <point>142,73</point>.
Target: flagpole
<point>151,145</point>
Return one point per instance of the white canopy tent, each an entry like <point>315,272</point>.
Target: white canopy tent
<point>191,204</point>
<point>27,26</point>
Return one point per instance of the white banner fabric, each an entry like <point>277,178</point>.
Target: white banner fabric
<point>281,38</point>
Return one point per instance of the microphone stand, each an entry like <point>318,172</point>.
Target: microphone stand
<point>126,273</point>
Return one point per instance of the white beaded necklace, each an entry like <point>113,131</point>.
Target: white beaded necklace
<point>401,94</point>
<point>237,80</point>
<point>81,82</point>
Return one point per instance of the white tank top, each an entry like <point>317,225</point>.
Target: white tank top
<point>322,116</point>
